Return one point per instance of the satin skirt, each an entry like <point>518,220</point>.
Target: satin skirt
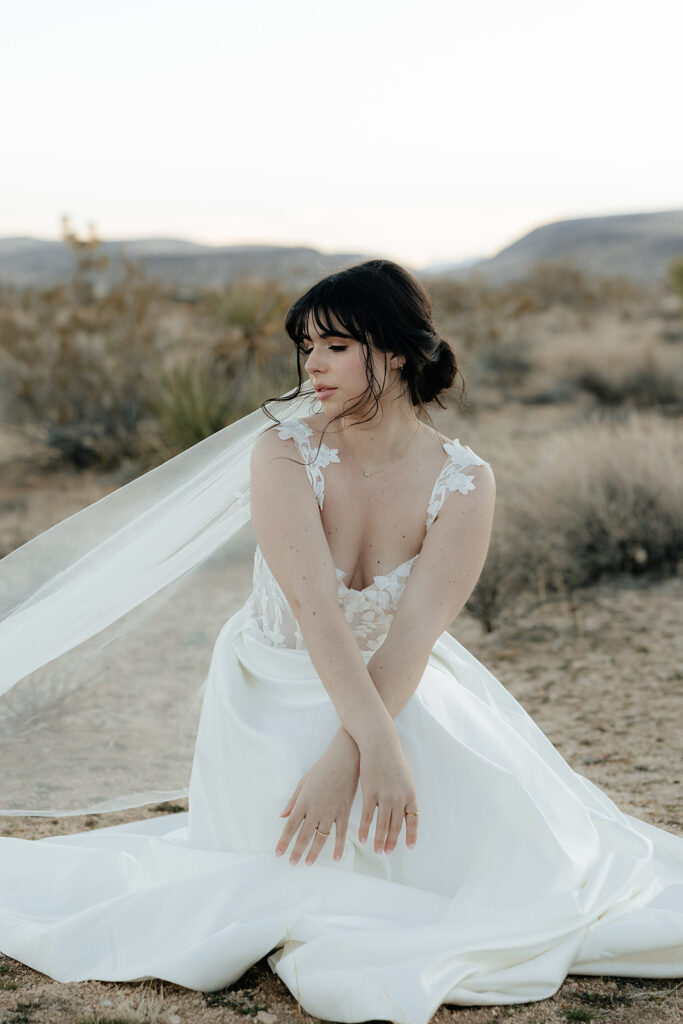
<point>524,871</point>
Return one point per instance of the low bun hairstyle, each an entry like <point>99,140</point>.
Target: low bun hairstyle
<point>433,375</point>
<point>383,306</point>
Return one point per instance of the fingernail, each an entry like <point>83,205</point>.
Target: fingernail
<point>337,856</point>
<point>278,853</point>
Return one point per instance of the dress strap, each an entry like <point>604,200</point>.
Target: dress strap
<point>452,476</point>
<point>315,460</point>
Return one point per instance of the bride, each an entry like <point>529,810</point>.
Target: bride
<point>336,701</point>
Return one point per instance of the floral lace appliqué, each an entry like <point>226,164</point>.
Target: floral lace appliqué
<point>315,461</point>
<point>452,477</point>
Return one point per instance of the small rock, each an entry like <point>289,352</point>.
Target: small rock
<point>173,1018</point>
<point>105,1002</point>
<point>266,1018</point>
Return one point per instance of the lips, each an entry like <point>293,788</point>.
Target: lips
<point>323,390</point>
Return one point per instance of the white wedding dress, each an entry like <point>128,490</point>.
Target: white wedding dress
<point>523,872</point>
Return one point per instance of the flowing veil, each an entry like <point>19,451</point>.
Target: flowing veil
<point>107,624</point>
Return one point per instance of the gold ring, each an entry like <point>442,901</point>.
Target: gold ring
<point>405,813</point>
<point>321,833</point>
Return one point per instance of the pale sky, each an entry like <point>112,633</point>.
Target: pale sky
<point>421,130</point>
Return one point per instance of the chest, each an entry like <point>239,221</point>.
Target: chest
<point>374,524</point>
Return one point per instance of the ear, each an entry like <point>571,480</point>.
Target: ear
<point>396,362</point>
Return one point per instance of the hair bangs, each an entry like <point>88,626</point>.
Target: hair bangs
<point>331,312</point>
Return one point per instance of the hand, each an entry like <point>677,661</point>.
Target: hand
<point>387,784</point>
<point>324,795</point>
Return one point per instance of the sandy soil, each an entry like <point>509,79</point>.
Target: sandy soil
<point>602,678</point>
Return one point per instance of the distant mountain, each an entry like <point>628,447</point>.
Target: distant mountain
<point>638,246</point>
<point>38,262</point>
<point>451,266</point>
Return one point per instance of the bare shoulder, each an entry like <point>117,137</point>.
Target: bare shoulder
<point>269,445</point>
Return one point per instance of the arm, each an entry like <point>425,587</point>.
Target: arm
<point>288,528</point>
<point>441,581</point>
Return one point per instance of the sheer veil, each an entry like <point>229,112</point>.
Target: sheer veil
<point>107,624</point>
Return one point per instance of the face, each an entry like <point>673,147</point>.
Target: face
<point>336,368</point>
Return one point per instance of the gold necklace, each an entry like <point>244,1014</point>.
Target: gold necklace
<point>391,461</point>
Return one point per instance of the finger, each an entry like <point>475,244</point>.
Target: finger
<point>383,819</point>
<point>302,841</point>
<point>366,819</point>
<point>291,825</point>
<point>292,800</point>
<point>318,843</point>
<point>340,828</point>
<point>394,831</point>
<point>411,821</point>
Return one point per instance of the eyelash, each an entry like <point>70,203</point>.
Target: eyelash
<point>333,348</point>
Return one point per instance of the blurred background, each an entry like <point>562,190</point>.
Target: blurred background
<point>174,177</point>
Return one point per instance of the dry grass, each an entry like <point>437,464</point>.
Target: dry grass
<point>604,499</point>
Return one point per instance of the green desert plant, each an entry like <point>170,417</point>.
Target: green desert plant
<point>192,402</point>
<point>676,277</point>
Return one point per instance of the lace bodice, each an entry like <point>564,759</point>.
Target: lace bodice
<point>369,611</point>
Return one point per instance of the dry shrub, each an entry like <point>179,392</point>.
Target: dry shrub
<point>108,373</point>
<point>676,278</point>
<point>604,499</point>
<point>477,313</point>
<point>634,372</point>
<point>80,364</point>
<point>245,357</point>
<point>254,355</point>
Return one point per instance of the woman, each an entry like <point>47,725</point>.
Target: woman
<point>372,530</point>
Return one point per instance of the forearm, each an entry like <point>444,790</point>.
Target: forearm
<point>337,659</point>
<point>396,670</point>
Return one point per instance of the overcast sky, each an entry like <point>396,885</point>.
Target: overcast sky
<point>422,130</point>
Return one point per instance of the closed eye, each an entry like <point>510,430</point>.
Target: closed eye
<point>332,348</point>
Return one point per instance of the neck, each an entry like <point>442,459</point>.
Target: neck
<point>380,438</point>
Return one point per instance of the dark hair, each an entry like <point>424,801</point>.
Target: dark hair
<point>383,306</point>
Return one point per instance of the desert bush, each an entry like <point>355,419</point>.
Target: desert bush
<point>618,366</point>
<point>192,403</point>
<point>80,365</point>
<point>244,358</point>
<point>612,501</point>
<point>506,365</point>
<point>637,376</point>
<point>676,277</point>
<point>547,284</point>
<point>602,500</point>
<point>108,373</point>
<point>647,386</point>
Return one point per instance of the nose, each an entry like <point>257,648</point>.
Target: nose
<point>314,362</point>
